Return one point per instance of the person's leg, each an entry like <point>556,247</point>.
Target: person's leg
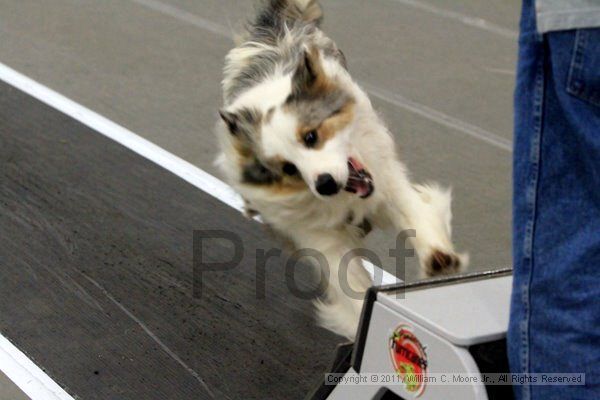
<point>555,311</point>
<point>527,108</point>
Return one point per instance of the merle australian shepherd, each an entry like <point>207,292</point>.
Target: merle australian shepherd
<point>302,144</point>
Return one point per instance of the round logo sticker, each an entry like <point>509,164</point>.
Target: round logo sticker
<point>409,359</point>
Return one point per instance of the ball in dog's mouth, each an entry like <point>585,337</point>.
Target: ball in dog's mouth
<point>360,180</point>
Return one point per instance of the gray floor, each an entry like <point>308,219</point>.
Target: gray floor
<point>9,391</point>
<point>99,284</point>
<point>440,72</point>
<point>442,81</point>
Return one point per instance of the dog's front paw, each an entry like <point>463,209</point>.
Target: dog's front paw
<point>248,211</point>
<point>445,263</point>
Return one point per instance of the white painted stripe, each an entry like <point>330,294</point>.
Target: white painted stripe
<point>474,22</point>
<point>152,335</point>
<point>19,369</point>
<point>189,172</point>
<point>501,71</point>
<point>185,16</point>
<point>383,94</point>
<point>143,147</point>
<point>27,376</point>
<point>439,117</point>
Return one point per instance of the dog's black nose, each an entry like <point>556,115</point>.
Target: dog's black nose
<point>326,185</point>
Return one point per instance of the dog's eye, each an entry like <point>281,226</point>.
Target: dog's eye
<point>289,169</point>
<point>310,139</point>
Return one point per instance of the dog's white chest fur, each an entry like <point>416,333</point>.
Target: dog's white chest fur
<point>302,144</point>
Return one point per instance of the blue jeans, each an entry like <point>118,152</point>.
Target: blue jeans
<point>555,309</point>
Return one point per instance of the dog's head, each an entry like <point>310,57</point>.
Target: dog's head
<point>295,131</point>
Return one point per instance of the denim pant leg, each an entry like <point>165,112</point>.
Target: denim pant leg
<point>555,309</point>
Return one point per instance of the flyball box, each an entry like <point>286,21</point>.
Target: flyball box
<point>455,326</point>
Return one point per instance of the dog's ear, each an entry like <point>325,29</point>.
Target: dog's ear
<point>308,72</point>
<point>231,120</point>
<point>242,123</point>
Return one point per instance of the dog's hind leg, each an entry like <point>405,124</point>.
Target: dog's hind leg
<point>343,275</point>
<point>426,210</point>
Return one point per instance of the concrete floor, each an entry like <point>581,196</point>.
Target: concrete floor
<point>99,287</point>
<point>9,391</point>
<point>442,81</point>
<point>441,74</point>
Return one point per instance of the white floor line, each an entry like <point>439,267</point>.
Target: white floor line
<point>27,376</point>
<point>474,22</point>
<point>185,16</point>
<point>19,369</point>
<point>440,118</point>
<point>178,166</point>
<point>143,147</point>
<point>385,95</point>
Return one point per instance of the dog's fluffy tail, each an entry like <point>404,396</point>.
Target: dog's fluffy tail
<point>273,13</point>
<point>275,16</point>
<point>340,315</point>
<point>339,310</point>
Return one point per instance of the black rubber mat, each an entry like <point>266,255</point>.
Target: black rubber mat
<point>96,255</point>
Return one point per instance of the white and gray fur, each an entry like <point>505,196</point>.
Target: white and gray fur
<point>285,75</point>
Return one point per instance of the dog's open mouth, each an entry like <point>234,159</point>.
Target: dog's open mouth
<point>359,179</point>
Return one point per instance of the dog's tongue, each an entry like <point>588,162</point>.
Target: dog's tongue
<point>359,179</point>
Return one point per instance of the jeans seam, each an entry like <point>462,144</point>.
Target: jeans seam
<point>573,85</point>
<point>532,194</point>
<point>576,85</point>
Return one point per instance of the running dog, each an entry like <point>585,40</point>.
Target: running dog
<point>302,144</point>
